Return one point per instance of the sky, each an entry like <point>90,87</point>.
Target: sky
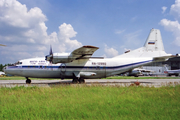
<point>29,27</point>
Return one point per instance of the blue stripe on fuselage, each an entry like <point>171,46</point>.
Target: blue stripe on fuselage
<point>132,64</point>
<point>80,67</point>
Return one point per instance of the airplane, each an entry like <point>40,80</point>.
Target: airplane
<point>2,73</point>
<point>172,72</point>
<point>2,45</point>
<point>139,71</point>
<point>80,65</point>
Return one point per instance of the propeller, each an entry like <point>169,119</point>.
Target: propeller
<point>50,52</point>
<point>50,56</point>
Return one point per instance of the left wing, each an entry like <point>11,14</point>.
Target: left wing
<point>84,52</point>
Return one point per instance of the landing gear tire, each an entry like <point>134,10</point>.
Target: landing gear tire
<point>28,81</point>
<point>75,80</point>
<point>81,80</point>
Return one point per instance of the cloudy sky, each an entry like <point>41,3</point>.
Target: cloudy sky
<point>29,27</point>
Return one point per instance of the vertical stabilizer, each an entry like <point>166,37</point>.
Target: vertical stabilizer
<point>153,47</point>
<point>165,66</point>
<point>154,41</point>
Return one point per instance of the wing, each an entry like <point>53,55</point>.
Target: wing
<point>84,52</point>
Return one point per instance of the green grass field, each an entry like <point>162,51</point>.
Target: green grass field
<point>90,102</point>
<point>114,77</point>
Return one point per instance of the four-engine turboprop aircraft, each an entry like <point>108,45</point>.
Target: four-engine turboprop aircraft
<point>139,71</point>
<point>79,65</point>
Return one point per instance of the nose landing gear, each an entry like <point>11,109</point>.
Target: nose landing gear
<point>28,81</point>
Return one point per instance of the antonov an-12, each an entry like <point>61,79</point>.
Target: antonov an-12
<point>79,65</point>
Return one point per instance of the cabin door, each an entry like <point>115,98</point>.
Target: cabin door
<point>62,70</point>
<point>63,67</point>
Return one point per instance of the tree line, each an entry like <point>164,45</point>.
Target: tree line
<point>2,66</point>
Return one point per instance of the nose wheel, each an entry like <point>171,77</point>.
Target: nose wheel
<point>28,81</point>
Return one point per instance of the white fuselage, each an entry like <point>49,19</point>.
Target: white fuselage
<point>89,69</point>
<point>79,64</point>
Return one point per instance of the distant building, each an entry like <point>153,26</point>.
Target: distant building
<point>158,67</point>
<point>174,63</point>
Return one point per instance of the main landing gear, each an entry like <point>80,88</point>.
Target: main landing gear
<point>76,80</point>
<point>28,81</point>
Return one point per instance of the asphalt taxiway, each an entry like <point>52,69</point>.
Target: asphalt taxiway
<point>112,82</point>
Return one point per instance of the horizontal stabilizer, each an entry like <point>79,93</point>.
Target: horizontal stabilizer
<point>163,58</point>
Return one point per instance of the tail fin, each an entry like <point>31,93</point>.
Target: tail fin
<point>154,41</point>
<point>165,69</point>
<point>153,47</point>
<point>165,66</point>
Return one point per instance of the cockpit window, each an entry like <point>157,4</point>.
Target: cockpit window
<point>17,63</point>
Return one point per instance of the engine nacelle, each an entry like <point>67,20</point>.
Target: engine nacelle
<point>59,58</point>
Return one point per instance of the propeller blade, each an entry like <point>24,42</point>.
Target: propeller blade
<point>50,56</point>
<point>50,52</point>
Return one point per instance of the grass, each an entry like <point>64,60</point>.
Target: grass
<point>90,102</point>
<point>113,77</point>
